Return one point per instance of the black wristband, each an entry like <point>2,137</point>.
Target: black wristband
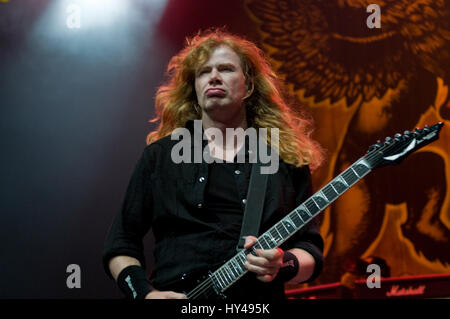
<point>133,282</point>
<point>290,266</point>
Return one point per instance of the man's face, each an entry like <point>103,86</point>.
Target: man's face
<point>220,84</point>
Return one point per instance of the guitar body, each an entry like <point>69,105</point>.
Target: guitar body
<point>248,288</point>
<point>188,282</point>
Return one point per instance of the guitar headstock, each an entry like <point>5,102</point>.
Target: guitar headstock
<point>394,150</point>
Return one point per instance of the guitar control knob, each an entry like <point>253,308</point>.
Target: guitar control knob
<point>398,135</point>
<point>373,147</point>
<point>388,140</point>
<point>406,132</point>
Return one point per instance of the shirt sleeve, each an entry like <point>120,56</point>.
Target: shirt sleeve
<point>132,222</point>
<point>308,237</point>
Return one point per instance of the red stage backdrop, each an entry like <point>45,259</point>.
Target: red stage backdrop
<point>361,85</point>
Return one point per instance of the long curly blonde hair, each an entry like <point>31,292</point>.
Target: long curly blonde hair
<point>266,107</point>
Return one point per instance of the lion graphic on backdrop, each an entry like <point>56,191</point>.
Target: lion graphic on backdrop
<point>324,49</point>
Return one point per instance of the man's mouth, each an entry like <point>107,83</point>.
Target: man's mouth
<point>215,92</point>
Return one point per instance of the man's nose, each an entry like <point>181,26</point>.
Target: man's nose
<point>215,77</point>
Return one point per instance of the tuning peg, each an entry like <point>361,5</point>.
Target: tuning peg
<point>373,147</point>
<point>406,132</point>
<point>388,140</point>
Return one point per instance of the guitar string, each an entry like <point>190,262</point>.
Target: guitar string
<point>207,284</point>
<point>199,290</point>
<point>203,287</point>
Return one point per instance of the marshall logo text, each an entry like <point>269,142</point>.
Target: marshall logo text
<point>396,291</point>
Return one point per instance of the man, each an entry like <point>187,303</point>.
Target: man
<point>195,209</point>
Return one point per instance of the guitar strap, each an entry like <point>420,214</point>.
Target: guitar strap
<point>254,205</point>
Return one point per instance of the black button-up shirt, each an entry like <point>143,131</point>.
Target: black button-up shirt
<point>169,198</point>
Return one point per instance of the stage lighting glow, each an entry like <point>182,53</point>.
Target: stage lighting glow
<point>74,16</point>
<point>99,13</point>
<point>92,28</point>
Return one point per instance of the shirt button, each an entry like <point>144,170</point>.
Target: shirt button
<point>237,172</point>
<point>244,201</point>
<point>201,179</point>
<point>199,205</point>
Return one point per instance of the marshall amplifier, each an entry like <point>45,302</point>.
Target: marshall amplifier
<point>420,286</point>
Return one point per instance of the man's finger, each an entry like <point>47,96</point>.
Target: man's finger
<point>258,261</point>
<point>271,254</point>
<point>249,241</point>
<point>265,278</point>
<point>176,295</point>
<point>260,270</point>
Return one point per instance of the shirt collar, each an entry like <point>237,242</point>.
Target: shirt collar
<point>192,129</point>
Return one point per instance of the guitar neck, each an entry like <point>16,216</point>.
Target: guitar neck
<point>234,269</point>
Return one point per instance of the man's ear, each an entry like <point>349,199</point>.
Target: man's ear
<point>250,88</point>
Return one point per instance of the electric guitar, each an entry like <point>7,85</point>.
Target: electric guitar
<point>392,150</point>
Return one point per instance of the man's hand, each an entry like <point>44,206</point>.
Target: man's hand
<point>268,262</point>
<point>156,294</point>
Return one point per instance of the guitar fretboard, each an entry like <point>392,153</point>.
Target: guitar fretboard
<point>234,269</point>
